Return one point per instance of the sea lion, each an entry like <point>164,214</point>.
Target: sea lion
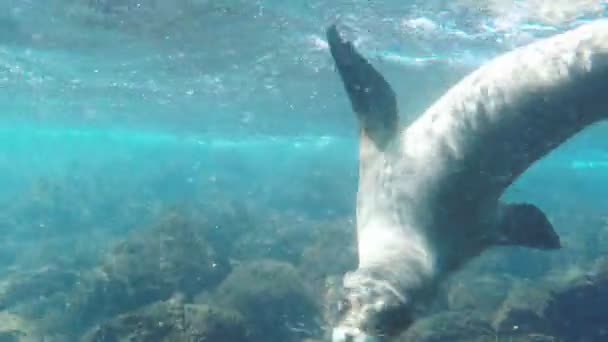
<point>429,195</point>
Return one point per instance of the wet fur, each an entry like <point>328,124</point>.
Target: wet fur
<point>429,194</point>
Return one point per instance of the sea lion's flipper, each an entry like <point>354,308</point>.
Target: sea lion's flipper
<point>371,97</point>
<point>523,224</point>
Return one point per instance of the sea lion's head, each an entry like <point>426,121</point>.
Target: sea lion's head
<point>370,310</point>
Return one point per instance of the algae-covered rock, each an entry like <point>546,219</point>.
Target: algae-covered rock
<point>572,308</point>
<point>152,265</point>
<point>333,252</point>
<point>275,235</point>
<point>40,296</point>
<point>27,286</point>
<point>156,322</point>
<point>465,326</point>
<point>272,297</point>
<point>208,323</point>
<point>480,293</point>
<point>15,328</point>
<point>578,310</point>
<point>450,326</point>
<point>524,310</point>
<point>172,321</point>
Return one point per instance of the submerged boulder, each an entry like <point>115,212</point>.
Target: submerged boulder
<point>482,293</point>
<point>465,326</point>
<point>15,328</point>
<point>172,321</point>
<point>273,299</point>
<point>578,310</point>
<point>572,308</point>
<point>450,326</point>
<point>275,235</point>
<point>22,287</point>
<point>333,251</point>
<point>38,296</point>
<point>523,311</point>
<point>208,323</point>
<point>152,265</point>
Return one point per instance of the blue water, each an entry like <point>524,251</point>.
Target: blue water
<point>179,155</point>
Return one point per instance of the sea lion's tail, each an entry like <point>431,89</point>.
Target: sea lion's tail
<point>372,98</point>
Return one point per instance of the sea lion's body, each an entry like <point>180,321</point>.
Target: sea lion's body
<point>428,197</point>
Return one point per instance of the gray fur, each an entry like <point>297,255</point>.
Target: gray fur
<point>429,194</point>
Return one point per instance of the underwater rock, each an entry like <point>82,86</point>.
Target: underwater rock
<point>573,309</point>
<point>157,322</point>
<point>464,326</point>
<point>39,295</point>
<point>153,264</point>
<point>523,310</point>
<point>450,326</point>
<point>208,323</point>
<point>274,235</point>
<point>28,286</point>
<point>14,328</point>
<point>273,299</point>
<point>333,240</point>
<point>172,321</point>
<point>578,309</point>
<point>227,220</point>
<point>482,293</point>
<point>518,262</point>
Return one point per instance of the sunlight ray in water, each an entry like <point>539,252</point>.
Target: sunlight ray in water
<point>307,144</point>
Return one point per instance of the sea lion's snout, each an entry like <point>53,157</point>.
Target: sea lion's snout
<point>369,321</point>
<point>369,310</point>
<point>343,334</point>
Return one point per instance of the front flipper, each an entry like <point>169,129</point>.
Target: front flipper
<point>523,224</point>
<point>371,97</point>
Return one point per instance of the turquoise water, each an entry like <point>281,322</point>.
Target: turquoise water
<point>187,170</point>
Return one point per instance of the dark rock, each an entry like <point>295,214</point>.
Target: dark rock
<point>450,326</point>
<point>14,328</point>
<point>172,321</point>
<point>28,286</point>
<point>474,292</point>
<point>277,235</point>
<point>152,265</point>
<point>273,299</point>
<point>572,308</point>
<point>208,323</point>
<point>523,310</point>
<point>333,251</point>
<point>578,310</point>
